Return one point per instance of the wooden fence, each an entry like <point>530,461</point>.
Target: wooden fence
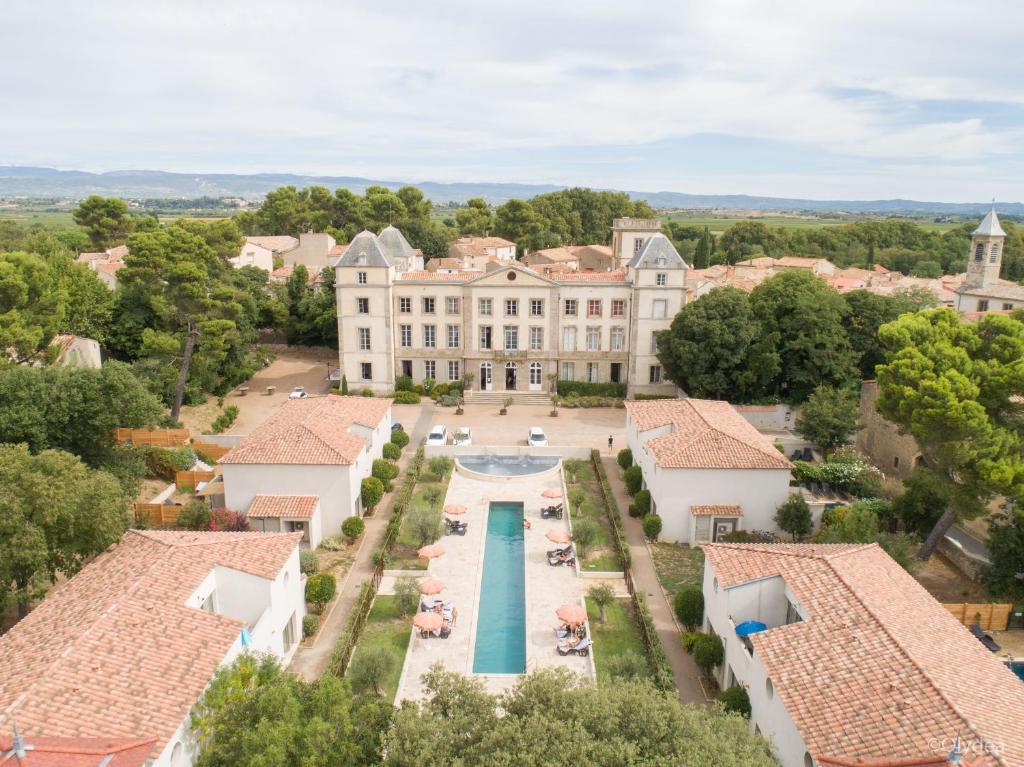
<point>153,437</point>
<point>993,616</point>
<point>192,478</point>
<point>157,514</point>
<point>210,450</point>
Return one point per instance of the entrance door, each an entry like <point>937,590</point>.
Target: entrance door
<point>721,528</point>
<point>407,368</point>
<point>510,376</point>
<point>486,380</point>
<point>535,376</point>
<point>616,373</point>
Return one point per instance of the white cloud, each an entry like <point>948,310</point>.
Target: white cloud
<point>407,89</point>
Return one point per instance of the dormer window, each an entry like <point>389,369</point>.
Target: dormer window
<point>361,259</point>
<point>660,261</point>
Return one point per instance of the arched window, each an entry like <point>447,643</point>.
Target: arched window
<point>769,688</point>
<point>979,251</point>
<point>808,759</point>
<point>993,254</point>
<point>178,755</point>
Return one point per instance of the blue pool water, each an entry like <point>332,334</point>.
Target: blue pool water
<point>508,465</point>
<point>1018,669</point>
<point>501,623</point>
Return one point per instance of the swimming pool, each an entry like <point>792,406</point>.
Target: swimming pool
<point>501,619</point>
<point>1018,669</point>
<point>508,465</point>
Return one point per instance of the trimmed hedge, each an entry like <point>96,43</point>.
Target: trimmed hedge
<point>625,458</point>
<point>320,589</point>
<point>310,625</point>
<point>308,563</point>
<point>652,526</point>
<point>688,605</point>
<point>406,398</point>
<point>588,389</point>
<point>352,528</point>
<point>399,437</point>
<point>225,419</point>
<point>391,451</point>
<point>633,478</point>
<point>346,643</point>
<point>736,700</point>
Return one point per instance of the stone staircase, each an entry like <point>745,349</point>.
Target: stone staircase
<point>498,397</point>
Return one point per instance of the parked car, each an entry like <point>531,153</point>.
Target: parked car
<point>463,436</point>
<point>299,392</point>
<point>396,427</point>
<point>438,436</point>
<point>537,437</point>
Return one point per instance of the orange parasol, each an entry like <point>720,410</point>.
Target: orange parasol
<point>431,586</point>
<point>455,508</point>
<point>552,493</point>
<point>574,615</point>
<point>558,536</point>
<point>431,551</point>
<point>428,621</point>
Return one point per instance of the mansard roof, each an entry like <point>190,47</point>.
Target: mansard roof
<point>394,244</point>
<point>365,250</point>
<point>658,252</point>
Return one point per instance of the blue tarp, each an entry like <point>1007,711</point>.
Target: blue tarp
<point>747,628</point>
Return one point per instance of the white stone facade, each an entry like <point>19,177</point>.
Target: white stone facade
<point>510,327</point>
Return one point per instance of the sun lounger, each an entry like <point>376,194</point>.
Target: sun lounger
<point>986,639</point>
<point>558,561</point>
<point>551,512</point>
<point>582,647</point>
<point>455,528</point>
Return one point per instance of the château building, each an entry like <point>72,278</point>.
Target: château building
<point>507,326</point>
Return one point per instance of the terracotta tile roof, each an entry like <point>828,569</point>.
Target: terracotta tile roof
<point>705,434</point>
<point>108,267</point>
<point>425,276</point>
<point>312,431</point>
<point>879,669</point>
<point>283,506</point>
<point>115,651</point>
<point>716,510</point>
<point>76,752</point>
<point>619,275</point>
<point>477,246</point>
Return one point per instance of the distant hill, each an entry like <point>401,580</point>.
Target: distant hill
<point>18,181</point>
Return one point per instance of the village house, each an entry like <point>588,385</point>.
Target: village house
<point>477,252</point>
<point>116,657</point>
<point>302,470</point>
<point>709,471</point>
<point>105,264</point>
<point>848,660</point>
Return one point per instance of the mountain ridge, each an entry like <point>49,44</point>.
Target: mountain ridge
<point>37,181</point>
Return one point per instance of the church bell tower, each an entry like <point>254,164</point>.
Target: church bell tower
<point>986,254</point>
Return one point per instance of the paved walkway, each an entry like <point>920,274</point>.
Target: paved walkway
<point>645,577</point>
<point>311,662</point>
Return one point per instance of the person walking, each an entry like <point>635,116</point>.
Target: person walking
<point>610,443</point>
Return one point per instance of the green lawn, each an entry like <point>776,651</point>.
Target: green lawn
<point>678,565</point>
<point>384,628</point>
<point>403,555</point>
<point>617,635</point>
<point>602,556</point>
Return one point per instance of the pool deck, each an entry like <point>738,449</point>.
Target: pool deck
<point>461,569</point>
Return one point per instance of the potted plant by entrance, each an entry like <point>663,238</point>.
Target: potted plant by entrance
<point>554,410</point>
<point>506,406</point>
<point>458,408</point>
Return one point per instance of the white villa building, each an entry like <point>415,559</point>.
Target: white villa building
<point>858,664</point>
<point>709,471</point>
<point>506,325</point>
<point>983,290</point>
<point>125,648</point>
<point>302,470</point>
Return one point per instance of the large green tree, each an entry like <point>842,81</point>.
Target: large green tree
<point>55,513</point>
<point>716,348</point>
<point>829,417</point>
<point>956,387</point>
<point>516,220</point>
<point>255,714</point>
<point>554,717</point>
<point>105,220</point>
<point>807,317</point>
<point>869,311</point>
<point>73,409</point>
<point>31,305</point>
<point>476,218</point>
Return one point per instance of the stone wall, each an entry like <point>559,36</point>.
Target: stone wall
<point>894,453</point>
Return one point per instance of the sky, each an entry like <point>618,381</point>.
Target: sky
<point>828,99</point>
